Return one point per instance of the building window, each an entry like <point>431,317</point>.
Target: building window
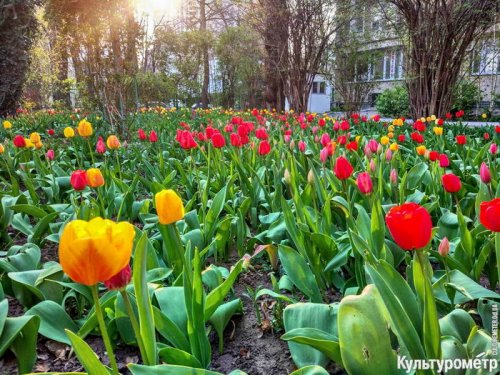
<point>485,58</point>
<point>319,88</point>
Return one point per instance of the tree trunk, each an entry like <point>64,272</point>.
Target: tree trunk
<point>205,56</point>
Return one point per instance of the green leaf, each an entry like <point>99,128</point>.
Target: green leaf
<point>377,228</point>
<point>54,321</point>
<point>87,357</point>
<point>20,336</point>
<point>310,370</point>
<point>310,315</point>
<point>144,307</point>
<point>323,341</point>
<point>299,272</point>
<point>176,356</point>
<point>169,330</point>
<point>221,317</point>
<point>216,296</point>
<point>365,341</point>
<point>168,370</point>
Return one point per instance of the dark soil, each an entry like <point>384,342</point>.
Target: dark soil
<point>248,346</point>
<point>57,357</point>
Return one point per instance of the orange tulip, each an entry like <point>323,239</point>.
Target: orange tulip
<point>85,128</point>
<point>112,142</point>
<point>94,178</point>
<point>95,250</point>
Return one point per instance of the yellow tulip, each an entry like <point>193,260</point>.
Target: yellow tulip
<point>38,145</point>
<point>69,132</point>
<point>28,142</point>
<point>35,138</point>
<point>433,118</point>
<point>390,128</point>
<point>84,128</point>
<point>169,206</point>
<point>94,178</point>
<point>95,250</point>
<point>484,115</point>
<point>421,150</point>
<point>2,149</point>
<point>390,135</point>
<point>7,124</point>
<point>394,147</point>
<point>423,119</point>
<point>438,130</point>
<point>384,140</point>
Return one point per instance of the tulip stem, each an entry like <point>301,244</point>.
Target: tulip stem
<point>135,324</point>
<point>104,331</point>
<point>91,153</point>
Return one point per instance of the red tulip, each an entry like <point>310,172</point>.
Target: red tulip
<point>410,225</point>
<point>451,183</point>
<point>264,148</point>
<point>325,139</point>
<point>364,182</point>
<point>153,137</point>
<point>486,136</point>
<point>78,180</point>
<point>321,122</point>
<point>19,141</point>
<point>342,169</point>
<point>484,173</point>
<point>352,146</point>
<point>120,280</point>
<point>235,140</point>
<point>51,132</point>
<point>401,138</point>
<point>497,129</point>
<point>433,155</point>
<point>489,214</point>
<point>461,139</point>
<point>218,140</point>
<point>444,161</point>
<point>142,134</point>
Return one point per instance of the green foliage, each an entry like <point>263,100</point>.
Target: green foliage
<point>465,95</point>
<point>394,102</point>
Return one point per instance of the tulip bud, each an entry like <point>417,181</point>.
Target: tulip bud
<point>372,165</point>
<point>367,151</point>
<point>379,149</point>
<point>444,161</point>
<point>393,177</point>
<point>493,149</point>
<point>302,146</point>
<point>287,177</point>
<point>484,173</point>
<point>287,138</point>
<point>50,155</point>
<point>310,177</point>
<point>169,206</point>
<point>364,182</point>
<point>323,154</point>
<point>444,247</point>
<point>292,144</point>
<point>388,155</point>
<point>120,280</point>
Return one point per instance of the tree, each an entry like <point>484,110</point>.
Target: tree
<point>439,34</point>
<point>239,65</point>
<point>350,59</point>
<point>18,27</point>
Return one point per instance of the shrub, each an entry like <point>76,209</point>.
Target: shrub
<point>393,102</point>
<point>465,96</point>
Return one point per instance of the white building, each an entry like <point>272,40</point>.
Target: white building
<point>319,97</point>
